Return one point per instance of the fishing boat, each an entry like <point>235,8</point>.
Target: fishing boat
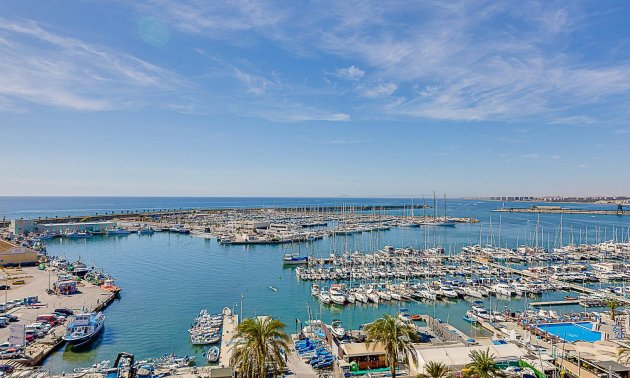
<point>213,354</point>
<point>119,231</point>
<point>315,289</point>
<point>294,259</point>
<point>205,328</point>
<point>78,268</point>
<point>180,229</point>
<point>273,288</point>
<point>109,285</point>
<point>78,235</point>
<point>47,235</point>
<point>84,328</point>
<point>146,231</point>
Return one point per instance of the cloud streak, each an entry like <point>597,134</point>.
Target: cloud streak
<point>475,61</point>
<point>41,67</point>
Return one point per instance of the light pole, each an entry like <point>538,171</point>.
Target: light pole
<point>240,318</point>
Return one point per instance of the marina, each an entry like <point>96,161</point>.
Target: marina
<point>320,189</point>
<point>436,272</point>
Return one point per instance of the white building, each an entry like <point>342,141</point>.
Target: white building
<point>21,226</point>
<point>458,356</point>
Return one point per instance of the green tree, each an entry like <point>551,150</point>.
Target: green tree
<point>435,370</point>
<point>260,343</point>
<point>482,365</point>
<point>396,337</point>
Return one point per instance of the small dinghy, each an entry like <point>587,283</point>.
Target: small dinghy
<point>213,354</point>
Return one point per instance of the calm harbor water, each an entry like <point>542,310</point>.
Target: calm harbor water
<point>167,278</point>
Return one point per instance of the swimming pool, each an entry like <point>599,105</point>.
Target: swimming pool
<point>581,331</point>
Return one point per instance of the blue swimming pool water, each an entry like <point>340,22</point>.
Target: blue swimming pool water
<point>570,332</point>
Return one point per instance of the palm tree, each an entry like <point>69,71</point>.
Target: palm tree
<point>260,345</point>
<point>435,370</point>
<point>612,305</point>
<point>623,355</point>
<point>482,365</point>
<point>396,337</point>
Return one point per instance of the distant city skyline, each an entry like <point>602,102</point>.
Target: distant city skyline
<point>323,99</point>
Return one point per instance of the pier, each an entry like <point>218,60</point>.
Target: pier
<point>575,287</point>
<point>90,296</point>
<point>555,303</point>
<point>561,210</point>
<point>230,322</point>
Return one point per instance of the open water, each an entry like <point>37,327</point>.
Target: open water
<point>167,278</point>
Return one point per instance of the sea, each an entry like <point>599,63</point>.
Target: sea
<point>168,278</point>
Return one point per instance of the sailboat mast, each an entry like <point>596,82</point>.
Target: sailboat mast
<point>434,206</point>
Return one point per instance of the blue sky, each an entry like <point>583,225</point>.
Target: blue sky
<point>336,98</point>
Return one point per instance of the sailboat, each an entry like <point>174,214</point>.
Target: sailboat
<point>438,221</point>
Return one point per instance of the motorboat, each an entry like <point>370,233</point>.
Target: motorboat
<point>337,294</point>
<point>337,329</point>
<point>324,295</point>
<point>504,289</point>
<point>448,292</point>
<point>213,354</point>
<point>470,317</point>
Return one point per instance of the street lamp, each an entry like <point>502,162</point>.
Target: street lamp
<point>240,318</point>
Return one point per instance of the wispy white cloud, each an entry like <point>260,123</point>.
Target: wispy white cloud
<point>42,67</point>
<point>256,84</point>
<point>531,156</point>
<point>574,120</point>
<point>473,61</point>
<point>298,113</point>
<point>215,18</point>
<point>379,90</point>
<point>350,73</point>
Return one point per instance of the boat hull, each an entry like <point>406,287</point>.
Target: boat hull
<point>86,340</point>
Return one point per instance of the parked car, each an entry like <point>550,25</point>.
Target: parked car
<point>7,369</point>
<point>64,311</point>
<point>5,287</point>
<point>10,317</point>
<point>47,318</point>
<point>10,353</point>
<point>40,327</point>
<point>4,322</point>
<point>31,335</point>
